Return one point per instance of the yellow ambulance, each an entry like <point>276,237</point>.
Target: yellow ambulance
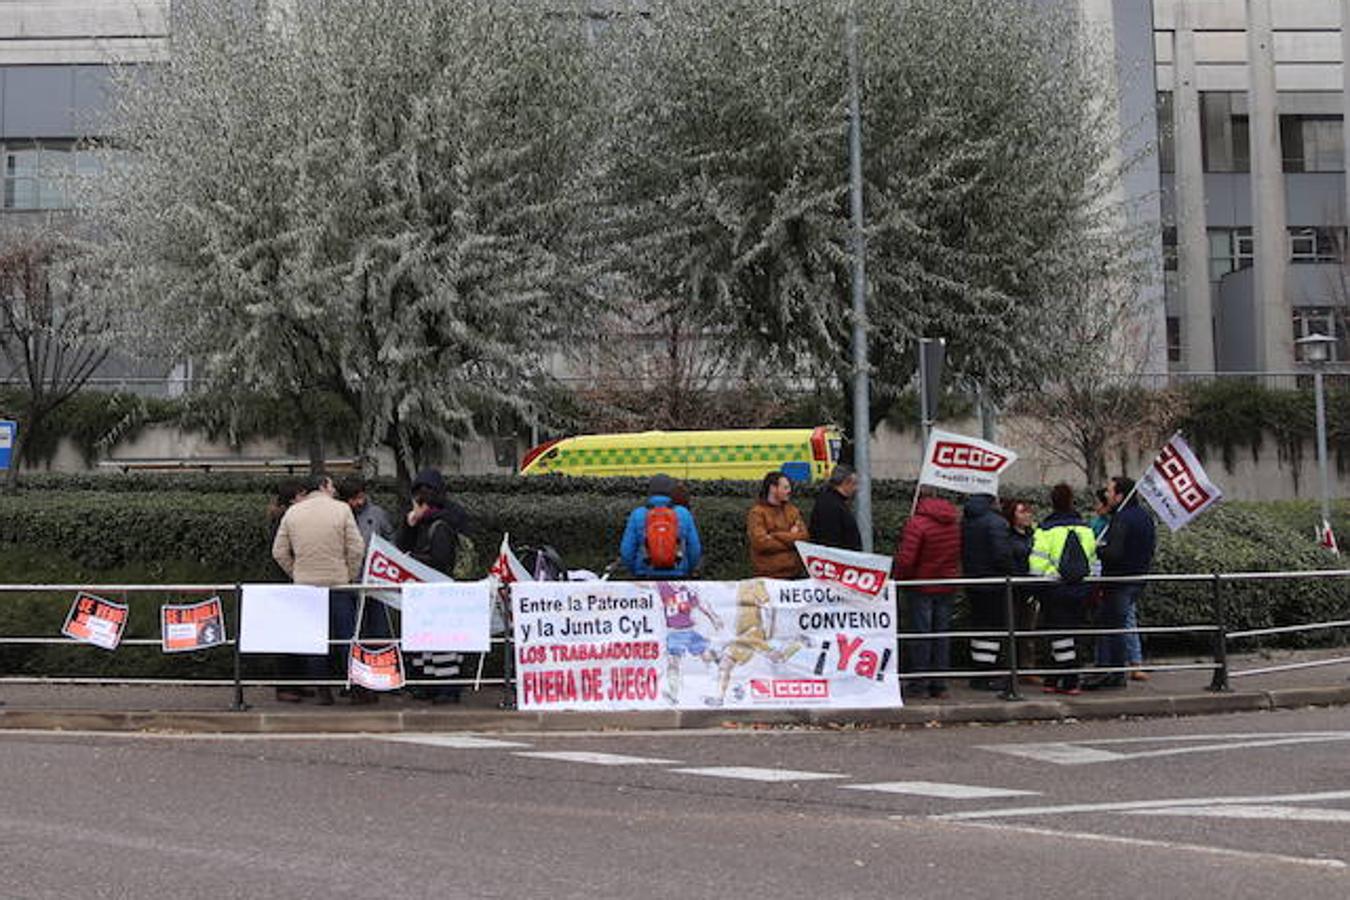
<point>803,454</point>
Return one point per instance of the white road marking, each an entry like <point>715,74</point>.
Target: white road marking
<point>1060,753</point>
<point>453,741</point>
<point>1072,754</point>
<point>940,789</point>
<point>1021,811</point>
<point>749,773</point>
<point>596,759</point>
<point>1253,856</point>
<point>1271,813</point>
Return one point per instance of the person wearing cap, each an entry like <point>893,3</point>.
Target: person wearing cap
<point>633,547</point>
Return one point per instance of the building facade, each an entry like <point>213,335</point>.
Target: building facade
<point>1232,118</point>
<point>1252,150</point>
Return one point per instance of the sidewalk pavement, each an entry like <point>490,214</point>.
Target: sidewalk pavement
<point>206,709</point>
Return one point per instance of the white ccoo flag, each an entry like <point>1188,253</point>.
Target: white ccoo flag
<point>964,464</point>
<point>1176,485</point>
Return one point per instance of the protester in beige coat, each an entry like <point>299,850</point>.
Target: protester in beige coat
<point>319,544</point>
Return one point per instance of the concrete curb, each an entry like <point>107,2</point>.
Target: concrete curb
<point>423,721</point>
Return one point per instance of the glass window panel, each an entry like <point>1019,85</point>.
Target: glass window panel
<point>21,193</point>
<point>1166,147</point>
<point>22,161</point>
<point>51,194</point>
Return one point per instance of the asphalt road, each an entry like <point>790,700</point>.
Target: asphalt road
<point>1253,805</point>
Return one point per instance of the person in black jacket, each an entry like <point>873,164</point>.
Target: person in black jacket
<point>429,533</point>
<point>986,552</point>
<point>1026,602</point>
<point>832,522</point>
<point>1126,548</point>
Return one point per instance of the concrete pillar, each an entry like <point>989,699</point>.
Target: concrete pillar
<point>1197,314</point>
<point>1272,325</point>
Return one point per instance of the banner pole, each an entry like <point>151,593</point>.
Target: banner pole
<point>239,704</point>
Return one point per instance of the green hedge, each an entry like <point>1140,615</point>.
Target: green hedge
<point>173,535</point>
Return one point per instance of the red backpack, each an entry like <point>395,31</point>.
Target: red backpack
<point>663,537</point>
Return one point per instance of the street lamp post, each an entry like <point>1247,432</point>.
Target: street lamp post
<point>1316,351</point>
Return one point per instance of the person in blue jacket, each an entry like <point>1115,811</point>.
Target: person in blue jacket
<point>633,549</point>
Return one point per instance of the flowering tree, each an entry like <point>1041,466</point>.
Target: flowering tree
<point>388,205</point>
<point>989,173</point>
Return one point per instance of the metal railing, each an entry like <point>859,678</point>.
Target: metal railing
<point>237,680</point>
<point>1008,635</point>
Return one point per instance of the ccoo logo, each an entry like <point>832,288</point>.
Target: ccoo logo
<point>952,455</point>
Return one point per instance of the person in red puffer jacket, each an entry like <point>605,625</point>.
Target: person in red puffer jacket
<point>930,547</point>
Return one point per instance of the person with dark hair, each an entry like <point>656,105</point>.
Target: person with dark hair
<point>832,522</point>
<point>1101,513</point>
<point>430,534</point>
<point>1026,606</point>
<point>930,547</point>
<point>660,540</point>
<point>1053,556</point>
<point>1126,549</point>
<point>430,531</point>
<point>679,495</point>
<point>773,526</point>
<point>318,544</point>
<point>371,519</point>
<point>986,552</point>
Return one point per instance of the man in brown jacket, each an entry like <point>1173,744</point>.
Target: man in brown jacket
<point>774,526</point>
<point>319,544</point>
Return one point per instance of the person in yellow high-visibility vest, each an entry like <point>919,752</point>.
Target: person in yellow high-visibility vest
<point>1064,549</point>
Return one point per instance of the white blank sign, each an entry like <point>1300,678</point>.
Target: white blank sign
<point>447,616</point>
<point>283,618</point>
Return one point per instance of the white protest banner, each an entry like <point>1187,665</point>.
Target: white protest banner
<point>756,644</point>
<point>386,564</point>
<point>193,626</point>
<point>283,618</point>
<point>93,620</point>
<point>964,464</point>
<point>849,570</point>
<point>1176,485</point>
<point>508,569</point>
<point>376,668</point>
<point>587,645</point>
<point>447,616</point>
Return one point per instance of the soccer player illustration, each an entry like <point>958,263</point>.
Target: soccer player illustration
<point>680,603</point>
<point>753,634</point>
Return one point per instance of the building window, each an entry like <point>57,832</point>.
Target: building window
<point>1316,244</point>
<point>1173,339</point>
<point>1329,320</point>
<point>1167,154</point>
<point>1230,249</point>
<point>1312,143</point>
<point>1169,248</point>
<point>44,175</point>
<point>1224,132</point>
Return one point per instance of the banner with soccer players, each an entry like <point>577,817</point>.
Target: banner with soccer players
<point>757,644</point>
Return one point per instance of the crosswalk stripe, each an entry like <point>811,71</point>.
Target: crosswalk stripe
<point>595,759</point>
<point>1272,813</point>
<point>454,741</point>
<point>940,789</point>
<point>750,773</point>
<point>1128,805</point>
